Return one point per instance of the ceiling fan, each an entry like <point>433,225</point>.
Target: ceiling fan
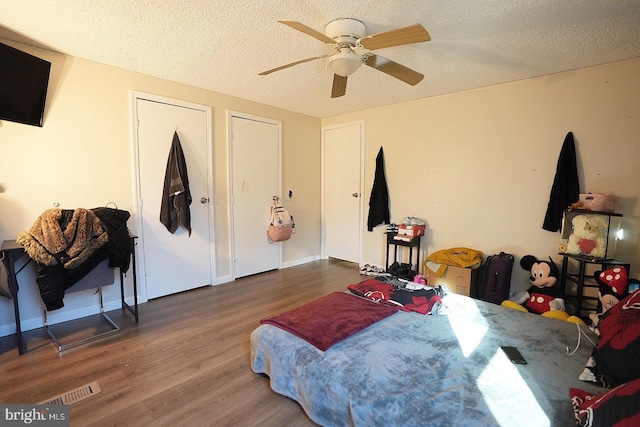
<point>352,48</point>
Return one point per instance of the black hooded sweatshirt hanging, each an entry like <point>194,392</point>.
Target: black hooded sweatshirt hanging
<point>565,189</point>
<point>176,197</point>
<point>379,201</point>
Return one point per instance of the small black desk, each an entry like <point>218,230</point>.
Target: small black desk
<point>413,243</point>
<point>581,280</point>
<point>12,252</point>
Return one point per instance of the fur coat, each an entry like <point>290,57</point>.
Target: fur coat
<point>66,245</point>
<point>63,236</point>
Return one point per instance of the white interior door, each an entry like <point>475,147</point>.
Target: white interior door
<point>255,167</point>
<point>174,262</point>
<point>342,200</point>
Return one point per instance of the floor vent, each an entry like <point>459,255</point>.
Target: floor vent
<point>74,396</point>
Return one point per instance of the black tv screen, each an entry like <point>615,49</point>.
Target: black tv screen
<point>24,79</point>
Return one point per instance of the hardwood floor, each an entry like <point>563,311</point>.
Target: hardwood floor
<point>187,363</point>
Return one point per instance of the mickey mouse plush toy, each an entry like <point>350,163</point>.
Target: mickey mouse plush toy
<point>543,297</point>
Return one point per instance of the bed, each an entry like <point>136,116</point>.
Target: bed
<point>411,369</point>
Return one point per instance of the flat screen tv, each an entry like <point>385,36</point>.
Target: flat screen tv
<point>24,79</point>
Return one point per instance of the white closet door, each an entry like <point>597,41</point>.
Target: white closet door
<point>342,191</point>
<point>173,262</point>
<point>255,165</point>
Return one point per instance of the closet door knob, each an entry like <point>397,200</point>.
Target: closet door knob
<point>204,200</point>
<point>355,195</point>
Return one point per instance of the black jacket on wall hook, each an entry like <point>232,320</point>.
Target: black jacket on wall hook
<point>379,200</point>
<point>566,187</point>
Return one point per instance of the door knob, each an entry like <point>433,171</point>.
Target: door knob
<point>355,195</point>
<point>204,199</point>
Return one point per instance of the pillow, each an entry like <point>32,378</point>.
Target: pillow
<point>619,407</point>
<point>617,356</point>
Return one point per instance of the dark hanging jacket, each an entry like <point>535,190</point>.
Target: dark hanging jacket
<point>176,197</point>
<point>120,246</point>
<point>565,189</point>
<point>379,201</point>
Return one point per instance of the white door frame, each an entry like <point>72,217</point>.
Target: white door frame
<point>360,123</point>
<point>134,96</point>
<point>230,115</point>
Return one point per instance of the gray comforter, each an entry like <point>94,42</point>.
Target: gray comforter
<point>414,370</point>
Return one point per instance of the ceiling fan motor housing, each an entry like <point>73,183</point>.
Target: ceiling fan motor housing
<point>345,30</point>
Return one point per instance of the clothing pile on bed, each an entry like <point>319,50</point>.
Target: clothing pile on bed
<point>67,244</point>
<point>405,295</point>
<point>333,318</point>
<point>615,364</point>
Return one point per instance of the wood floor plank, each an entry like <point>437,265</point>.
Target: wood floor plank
<point>186,363</point>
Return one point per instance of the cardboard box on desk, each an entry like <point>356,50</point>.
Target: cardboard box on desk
<point>458,279</point>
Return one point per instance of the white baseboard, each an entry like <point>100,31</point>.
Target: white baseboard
<point>224,279</point>
<point>300,261</point>
<point>229,278</point>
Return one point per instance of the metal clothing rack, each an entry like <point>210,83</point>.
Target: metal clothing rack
<point>100,276</point>
<point>12,252</point>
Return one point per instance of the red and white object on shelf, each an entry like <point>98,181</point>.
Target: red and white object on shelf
<point>411,230</point>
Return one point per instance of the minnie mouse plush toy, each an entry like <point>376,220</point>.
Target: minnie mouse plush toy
<point>613,284</point>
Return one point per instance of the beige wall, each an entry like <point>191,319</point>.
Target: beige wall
<point>479,165</point>
<point>82,157</point>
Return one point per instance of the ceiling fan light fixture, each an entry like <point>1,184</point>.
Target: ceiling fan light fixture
<point>345,62</point>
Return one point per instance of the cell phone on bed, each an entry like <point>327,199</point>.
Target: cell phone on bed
<point>514,355</point>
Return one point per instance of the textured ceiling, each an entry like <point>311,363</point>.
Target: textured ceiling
<point>222,45</point>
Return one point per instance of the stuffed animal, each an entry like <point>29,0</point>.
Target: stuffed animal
<point>543,297</point>
<point>588,237</point>
<point>612,287</point>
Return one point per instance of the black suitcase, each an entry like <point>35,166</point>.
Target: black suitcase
<point>494,282</point>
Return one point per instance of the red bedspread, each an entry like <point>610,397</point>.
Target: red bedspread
<point>330,319</point>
